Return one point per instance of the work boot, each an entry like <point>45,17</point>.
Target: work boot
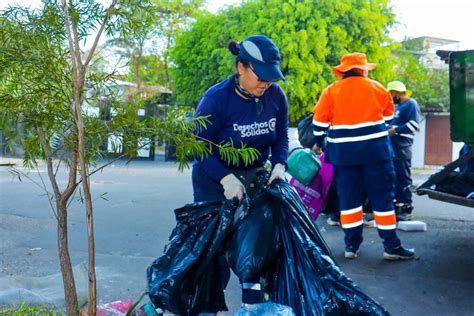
<point>404,211</point>
<point>351,252</point>
<point>398,253</point>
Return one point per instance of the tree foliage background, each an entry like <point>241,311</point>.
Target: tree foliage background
<point>146,49</point>
<point>48,91</point>
<point>430,85</point>
<point>311,35</point>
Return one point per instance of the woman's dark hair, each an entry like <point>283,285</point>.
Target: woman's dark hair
<point>234,48</point>
<point>354,72</point>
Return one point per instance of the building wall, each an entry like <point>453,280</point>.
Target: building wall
<point>438,144</point>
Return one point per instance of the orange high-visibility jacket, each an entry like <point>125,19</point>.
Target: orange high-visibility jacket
<point>352,114</point>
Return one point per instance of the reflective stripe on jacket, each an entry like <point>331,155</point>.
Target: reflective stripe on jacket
<point>352,113</point>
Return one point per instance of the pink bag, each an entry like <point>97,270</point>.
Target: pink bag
<point>117,308</point>
<point>315,193</point>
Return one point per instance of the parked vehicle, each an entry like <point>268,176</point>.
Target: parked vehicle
<point>461,95</point>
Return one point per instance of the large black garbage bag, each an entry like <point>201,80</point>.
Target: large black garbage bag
<point>185,280</point>
<point>302,273</point>
<point>305,276</point>
<point>255,241</point>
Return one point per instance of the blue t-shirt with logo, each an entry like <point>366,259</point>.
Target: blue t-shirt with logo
<point>236,120</point>
<point>406,122</point>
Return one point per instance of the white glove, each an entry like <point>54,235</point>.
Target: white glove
<point>278,172</point>
<point>232,187</point>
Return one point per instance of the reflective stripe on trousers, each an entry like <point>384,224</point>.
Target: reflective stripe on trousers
<point>377,181</point>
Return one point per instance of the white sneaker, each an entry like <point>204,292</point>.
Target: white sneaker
<point>332,222</point>
<point>350,253</point>
<point>369,224</point>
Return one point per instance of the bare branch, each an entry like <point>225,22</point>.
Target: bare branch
<point>76,44</point>
<point>57,167</point>
<point>42,187</point>
<point>48,194</point>
<point>109,163</point>
<point>49,163</point>
<point>70,39</point>
<point>71,185</point>
<point>99,34</point>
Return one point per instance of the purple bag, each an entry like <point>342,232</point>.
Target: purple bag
<point>315,193</point>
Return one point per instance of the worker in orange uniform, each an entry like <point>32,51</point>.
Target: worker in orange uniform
<point>352,114</point>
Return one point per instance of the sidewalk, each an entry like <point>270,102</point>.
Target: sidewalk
<point>10,161</point>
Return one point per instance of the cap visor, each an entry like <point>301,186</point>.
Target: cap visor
<point>268,72</point>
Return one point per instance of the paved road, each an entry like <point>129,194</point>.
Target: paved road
<point>133,226</point>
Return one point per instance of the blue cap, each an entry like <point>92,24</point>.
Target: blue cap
<point>264,56</point>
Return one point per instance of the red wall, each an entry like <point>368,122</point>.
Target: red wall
<point>438,145</point>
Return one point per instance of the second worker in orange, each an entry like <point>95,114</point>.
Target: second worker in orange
<point>351,115</point>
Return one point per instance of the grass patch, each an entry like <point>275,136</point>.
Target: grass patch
<point>25,310</point>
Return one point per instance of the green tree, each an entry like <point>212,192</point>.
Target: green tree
<point>311,35</point>
<point>156,25</point>
<point>152,71</point>
<point>175,15</point>
<point>136,24</point>
<point>430,85</point>
<point>44,82</point>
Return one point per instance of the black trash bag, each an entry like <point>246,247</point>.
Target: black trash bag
<point>302,274</point>
<point>185,280</point>
<point>255,241</point>
<point>305,132</point>
<point>305,277</point>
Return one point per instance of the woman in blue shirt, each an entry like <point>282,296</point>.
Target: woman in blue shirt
<point>248,108</point>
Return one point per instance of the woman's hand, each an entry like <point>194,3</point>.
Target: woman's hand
<point>278,172</point>
<point>232,187</point>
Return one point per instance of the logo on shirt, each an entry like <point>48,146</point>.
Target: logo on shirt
<point>256,128</point>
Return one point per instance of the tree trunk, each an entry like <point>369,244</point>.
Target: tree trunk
<point>79,84</point>
<point>79,70</point>
<point>138,75</point>
<point>70,294</point>
<point>167,72</point>
<point>91,243</point>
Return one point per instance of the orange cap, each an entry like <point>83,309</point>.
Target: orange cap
<point>352,60</point>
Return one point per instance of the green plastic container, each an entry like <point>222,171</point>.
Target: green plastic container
<point>303,165</point>
<point>461,95</point>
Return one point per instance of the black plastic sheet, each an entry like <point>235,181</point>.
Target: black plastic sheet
<point>185,280</point>
<point>255,242</point>
<point>305,276</point>
<point>294,259</point>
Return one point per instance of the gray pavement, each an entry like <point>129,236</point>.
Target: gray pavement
<point>133,224</point>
